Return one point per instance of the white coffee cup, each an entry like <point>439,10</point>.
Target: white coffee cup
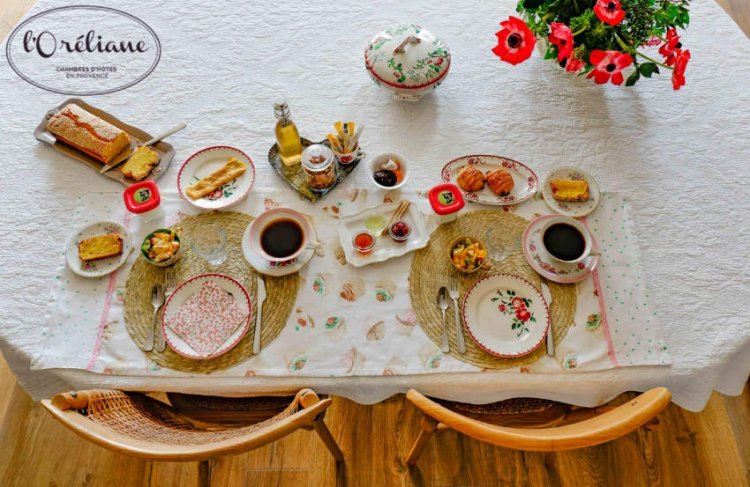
<point>580,227</point>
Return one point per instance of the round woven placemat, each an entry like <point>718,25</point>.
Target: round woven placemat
<point>431,269</point>
<point>281,292</point>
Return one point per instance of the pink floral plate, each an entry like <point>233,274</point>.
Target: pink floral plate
<point>206,316</point>
<point>545,265</point>
<point>208,160</point>
<point>572,209</point>
<point>505,315</point>
<point>525,180</point>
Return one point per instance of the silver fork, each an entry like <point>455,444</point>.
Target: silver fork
<point>453,290</point>
<point>157,300</point>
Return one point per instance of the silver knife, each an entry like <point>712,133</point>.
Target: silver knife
<point>261,297</point>
<point>148,143</point>
<point>550,335</point>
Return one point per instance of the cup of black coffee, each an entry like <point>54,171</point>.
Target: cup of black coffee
<point>566,239</point>
<point>280,235</point>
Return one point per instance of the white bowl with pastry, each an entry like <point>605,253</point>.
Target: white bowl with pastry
<point>571,191</point>
<point>491,180</point>
<point>98,249</point>
<point>216,177</point>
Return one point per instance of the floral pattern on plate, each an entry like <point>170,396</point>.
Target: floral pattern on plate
<point>568,208</point>
<point>505,315</point>
<point>101,267</point>
<point>545,265</point>
<point>526,182</point>
<point>208,160</point>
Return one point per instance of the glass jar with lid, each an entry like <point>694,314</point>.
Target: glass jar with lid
<point>319,165</point>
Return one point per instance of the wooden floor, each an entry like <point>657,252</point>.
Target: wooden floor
<point>707,449</point>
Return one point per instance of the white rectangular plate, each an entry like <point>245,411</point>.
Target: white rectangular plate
<point>385,247</point>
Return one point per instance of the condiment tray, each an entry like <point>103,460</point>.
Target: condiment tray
<point>385,248</point>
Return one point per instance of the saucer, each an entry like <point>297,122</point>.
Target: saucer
<point>571,208</point>
<point>545,265</point>
<point>273,269</point>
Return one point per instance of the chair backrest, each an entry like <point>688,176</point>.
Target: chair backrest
<point>138,425</point>
<point>600,429</point>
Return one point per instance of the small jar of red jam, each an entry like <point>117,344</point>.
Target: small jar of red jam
<point>446,201</point>
<point>364,241</point>
<point>399,231</point>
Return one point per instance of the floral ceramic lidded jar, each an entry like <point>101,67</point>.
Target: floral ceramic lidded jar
<point>408,60</point>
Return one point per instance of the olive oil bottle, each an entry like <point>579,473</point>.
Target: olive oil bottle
<point>287,136</point>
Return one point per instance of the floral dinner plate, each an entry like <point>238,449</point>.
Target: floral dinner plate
<point>525,180</point>
<point>102,267</point>
<point>545,265</point>
<point>208,160</point>
<point>188,289</point>
<point>572,209</point>
<point>505,315</point>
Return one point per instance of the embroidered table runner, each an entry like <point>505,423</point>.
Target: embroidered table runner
<point>359,321</point>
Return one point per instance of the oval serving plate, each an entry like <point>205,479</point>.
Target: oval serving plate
<point>525,181</point>
<point>102,267</point>
<point>208,160</point>
<point>185,291</point>
<point>505,315</point>
<point>545,265</point>
<point>573,209</point>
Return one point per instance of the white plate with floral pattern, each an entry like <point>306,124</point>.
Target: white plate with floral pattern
<point>102,267</point>
<point>208,160</point>
<point>506,315</point>
<point>545,265</point>
<point>525,181</point>
<point>188,289</point>
<point>572,208</point>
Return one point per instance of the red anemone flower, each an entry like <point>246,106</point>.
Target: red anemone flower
<point>609,65</point>
<point>515,41</point>
<point>561,36</point>
<point>573,65</point>
<point>671,47</point>
<point>678,75</point>
<point>609,11</point>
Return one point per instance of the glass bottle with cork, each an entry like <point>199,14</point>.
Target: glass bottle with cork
<point>287,135</point>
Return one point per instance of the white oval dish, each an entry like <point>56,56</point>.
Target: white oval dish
<point>97,268</point>
<point>525,180</point>
<point>505,315</point>
<point>208,160</point>
<point>572,209</point>
<point>547,266</point>
<point>186,290</point>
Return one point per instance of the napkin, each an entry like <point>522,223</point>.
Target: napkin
<point>207,318</point>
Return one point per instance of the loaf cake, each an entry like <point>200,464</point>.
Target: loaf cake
<point>88,133</point>
<point>140,163</point>
<point>570,190</point>
<point>100,247</point>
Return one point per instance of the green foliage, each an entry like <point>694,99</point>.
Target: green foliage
<point>644,20</point>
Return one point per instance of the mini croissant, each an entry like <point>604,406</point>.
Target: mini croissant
<point>500,182</point>
<point>470,179</point>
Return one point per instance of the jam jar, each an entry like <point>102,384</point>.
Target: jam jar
<point>319,165</point>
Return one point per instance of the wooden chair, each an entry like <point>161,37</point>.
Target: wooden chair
<point>193,428</point>
<point>535,424</point>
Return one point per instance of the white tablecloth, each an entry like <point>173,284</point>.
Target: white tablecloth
<point>680,157</point>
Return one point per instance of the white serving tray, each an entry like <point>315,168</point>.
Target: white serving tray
<point>385,247</point>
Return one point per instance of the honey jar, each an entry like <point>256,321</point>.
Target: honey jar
<point>319,165</point>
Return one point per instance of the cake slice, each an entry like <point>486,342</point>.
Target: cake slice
<point>570,190</point>
<point>140,163</point>
<point>88,133</point>
<point>100,247</point>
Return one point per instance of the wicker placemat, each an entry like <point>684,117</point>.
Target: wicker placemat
<point>431,269</point>
<point>282,292</point>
